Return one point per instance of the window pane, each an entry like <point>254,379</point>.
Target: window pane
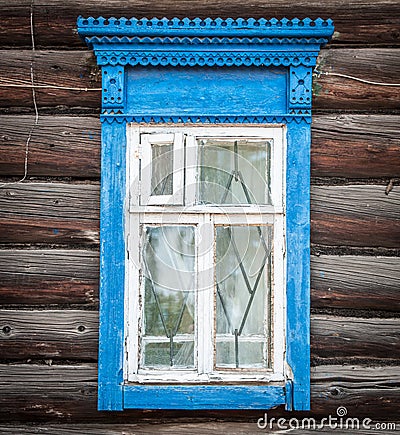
<point>234,171</point>
<point>162,163</point>
<point>169,304</point>
<point>243,275</point>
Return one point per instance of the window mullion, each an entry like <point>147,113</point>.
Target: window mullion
<point>191,170</point>
<point>178,165</point>
<point>205,295</point>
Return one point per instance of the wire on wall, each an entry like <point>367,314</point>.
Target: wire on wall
<point>16,83</point>
<point>358,79</point>
<point>32,85</point>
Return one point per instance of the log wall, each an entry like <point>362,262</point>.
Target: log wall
<point>49,224</point>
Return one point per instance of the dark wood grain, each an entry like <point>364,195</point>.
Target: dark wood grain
<point>79,69</point>
<point>49,213</point>
<point>345,337</point>
<point>67,393</point>
<point>357,22</point>
<point>72,334</point>
<point>49,277</point>
<point>351,146</point>
<point>58,334</point>
<point>355,215</point>
<point>355,282</point>
<point>355,146</point>
<point>338,93</point>
<point>61,68</point>
<point>66,146</point>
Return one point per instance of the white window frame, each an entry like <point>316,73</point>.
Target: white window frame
<point>204,218</point>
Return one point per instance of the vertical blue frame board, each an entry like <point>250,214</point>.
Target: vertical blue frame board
<point>205,71</point>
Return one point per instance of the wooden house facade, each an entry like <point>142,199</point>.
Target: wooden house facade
<point>49,221</point>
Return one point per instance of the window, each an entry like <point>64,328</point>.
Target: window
<point>205,211</point>
<point>206,254</point>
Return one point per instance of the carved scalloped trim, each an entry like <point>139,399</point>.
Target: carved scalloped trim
<point>225,58</point>
<point>200,41</point>
<point>110,118</point>
<point>218,26</point>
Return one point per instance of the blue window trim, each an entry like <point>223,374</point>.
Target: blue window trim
<point>288,47</point>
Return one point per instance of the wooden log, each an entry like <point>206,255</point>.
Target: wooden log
<point>50,213</point>
<point>79,69</point>
<point>49,277</point>
<point>355,282</point>
<point>67,393</point>
<point>371,392</point>
<point>338,93</point>
<point>58,334</point>
<point>356,22</point>
<point>352,215</point>
<point>205,428</point>
<point>355,146</point>
<point>346,337</point>
<point>66,146</point>
<point>72,334</point>
<point>351,146</point>
<point>61,68</point>
<point>62,276</point>
<point>355,215</point>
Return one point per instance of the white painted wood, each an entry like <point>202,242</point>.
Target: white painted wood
<point>248,209</point>
<point>205,295</point>
<point>278,299</point>
<point>167,211</point>
<point>132,300</point>
<point>191,170</point>
<point>133,156</point>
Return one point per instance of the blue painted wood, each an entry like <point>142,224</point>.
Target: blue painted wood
<point>240,27</point>
<point>112,266</point>
<point>206,91</point>
<point>203,397</point>
<point>146,79</point>
<point>298,261</point>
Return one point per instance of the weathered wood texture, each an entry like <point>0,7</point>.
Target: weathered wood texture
<point>356,22</point>
<point>354,215</point>
<point>355,282</point>
<point>68,393</point>
<point>351,146</point>
<point>79,69</point>
<point>49,277</point>
<point>60,146</point>
<point>49,213</point>
<point>58,334</point>
<point>345,337</point>
<point>72,334</point>
<point>209,428</point>
<point>62,276</point>
<point>355,146</point>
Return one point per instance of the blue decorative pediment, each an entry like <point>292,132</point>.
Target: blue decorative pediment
<point>121,43</point>
<point>197,42</point>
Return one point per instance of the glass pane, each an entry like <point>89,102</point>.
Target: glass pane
<point>243,275</point>
<point>234,171</point>
<point>162,164</point>
<point>169,303</point>
<point>250,354</point>
<point>158,354</point>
